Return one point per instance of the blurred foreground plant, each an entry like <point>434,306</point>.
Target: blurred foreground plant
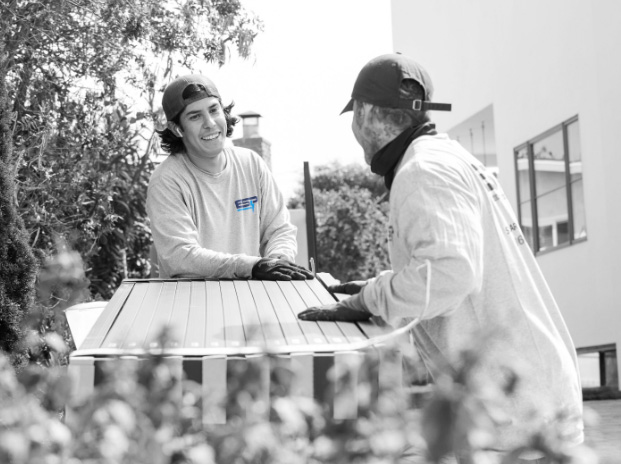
<point>61,283</point>
<point>469,403</point>
<point>143,411</point>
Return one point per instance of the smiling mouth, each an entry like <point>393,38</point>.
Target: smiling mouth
<point>211,137</point>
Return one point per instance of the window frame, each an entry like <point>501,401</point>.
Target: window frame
<point>528,146</point>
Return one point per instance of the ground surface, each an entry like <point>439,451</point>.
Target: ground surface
<point>602,426</point>
<point>605,434</point>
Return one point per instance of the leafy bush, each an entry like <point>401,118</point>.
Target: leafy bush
<point>142,413</point>
<point>17,263</point>
<point>352,233</point>
<point>89,186</point>
<point>334,176</point>
<point>351,219</point>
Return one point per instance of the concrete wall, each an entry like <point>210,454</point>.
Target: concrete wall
<point>539,63</point>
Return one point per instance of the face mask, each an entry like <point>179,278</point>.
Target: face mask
<point>385,161</point>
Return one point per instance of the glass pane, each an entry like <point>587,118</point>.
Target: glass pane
<point>550,185</point>
<point>546,237</point>
<point>523,185</point>
<point>550,148</point>
<point>575,169</point>
<point>573,139</point>
<point>562,232</point>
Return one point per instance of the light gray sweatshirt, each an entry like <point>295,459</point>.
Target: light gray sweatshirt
<point>217,226</point>
<point>448,211</point>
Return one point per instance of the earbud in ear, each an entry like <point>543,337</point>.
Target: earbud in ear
<point>175,129</point>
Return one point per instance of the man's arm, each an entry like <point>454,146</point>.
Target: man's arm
<point>440,223</point>
<point>441,227</point>
<point>278,234</point>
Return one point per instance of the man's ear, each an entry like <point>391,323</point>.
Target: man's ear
<point>175,129</point>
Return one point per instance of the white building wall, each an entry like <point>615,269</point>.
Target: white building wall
<point>539,63</point>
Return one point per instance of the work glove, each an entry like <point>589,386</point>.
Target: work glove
<point>350,310</point>
<point>279,269</point>
<point>349,288</point>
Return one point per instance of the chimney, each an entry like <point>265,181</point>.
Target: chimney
<point>252,138</point>
<point>250,120</point>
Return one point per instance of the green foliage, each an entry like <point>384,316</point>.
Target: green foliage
<point>141,412</point>
<point>61,284</point>
<point>352,233</point>
<point>334,176</point>
<point>89,186</point>
<point>352,221</point>
<point>17,264</point>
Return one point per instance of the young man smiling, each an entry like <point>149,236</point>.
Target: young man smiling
<point>215,211</point>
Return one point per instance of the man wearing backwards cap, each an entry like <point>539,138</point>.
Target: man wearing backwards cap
<point>215,211</point>
<point>459,260</point>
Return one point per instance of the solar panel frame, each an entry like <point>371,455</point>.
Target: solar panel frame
<point>220,317</point>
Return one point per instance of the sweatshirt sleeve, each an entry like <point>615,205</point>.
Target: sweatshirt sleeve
<point>176,237</point>
<point>438,222</point>
<point>278,234</point>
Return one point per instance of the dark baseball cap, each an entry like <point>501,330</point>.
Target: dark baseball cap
<point>173,101</point>
<point>379,81</point>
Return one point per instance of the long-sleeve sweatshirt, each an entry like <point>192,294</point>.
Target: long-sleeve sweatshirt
<point>448,211</point>
<point>217,226</point>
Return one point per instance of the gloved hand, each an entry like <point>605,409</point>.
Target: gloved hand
<point>350,310</point>
<point>279,269</point>
<point>349,288</point>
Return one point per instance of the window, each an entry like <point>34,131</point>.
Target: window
<point>550,188</point>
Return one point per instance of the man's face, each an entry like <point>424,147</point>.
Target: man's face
<point>363,130</point>
<point>204,128</point>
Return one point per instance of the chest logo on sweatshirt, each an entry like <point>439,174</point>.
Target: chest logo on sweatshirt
<point>246,203</point>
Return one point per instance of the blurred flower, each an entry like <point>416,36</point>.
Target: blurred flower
<point>201,454</point>
<point>14,446</point>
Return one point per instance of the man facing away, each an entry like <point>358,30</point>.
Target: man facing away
<point>459,261</point>
<point>215,211</point>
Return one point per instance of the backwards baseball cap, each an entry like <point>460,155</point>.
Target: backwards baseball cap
<point>379,81</point>
<point>173,101</point>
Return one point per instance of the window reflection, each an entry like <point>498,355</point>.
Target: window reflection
<point>577,189</point>
<point>553,162</point>
<point>551,188</point>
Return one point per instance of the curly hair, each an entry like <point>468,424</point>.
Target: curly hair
<point>172,144</point>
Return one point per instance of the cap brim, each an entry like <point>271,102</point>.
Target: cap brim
<point>349,106</point>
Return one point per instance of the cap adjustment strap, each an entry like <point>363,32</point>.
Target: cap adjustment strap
<point>420,105</point>
<point>437,106</point>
